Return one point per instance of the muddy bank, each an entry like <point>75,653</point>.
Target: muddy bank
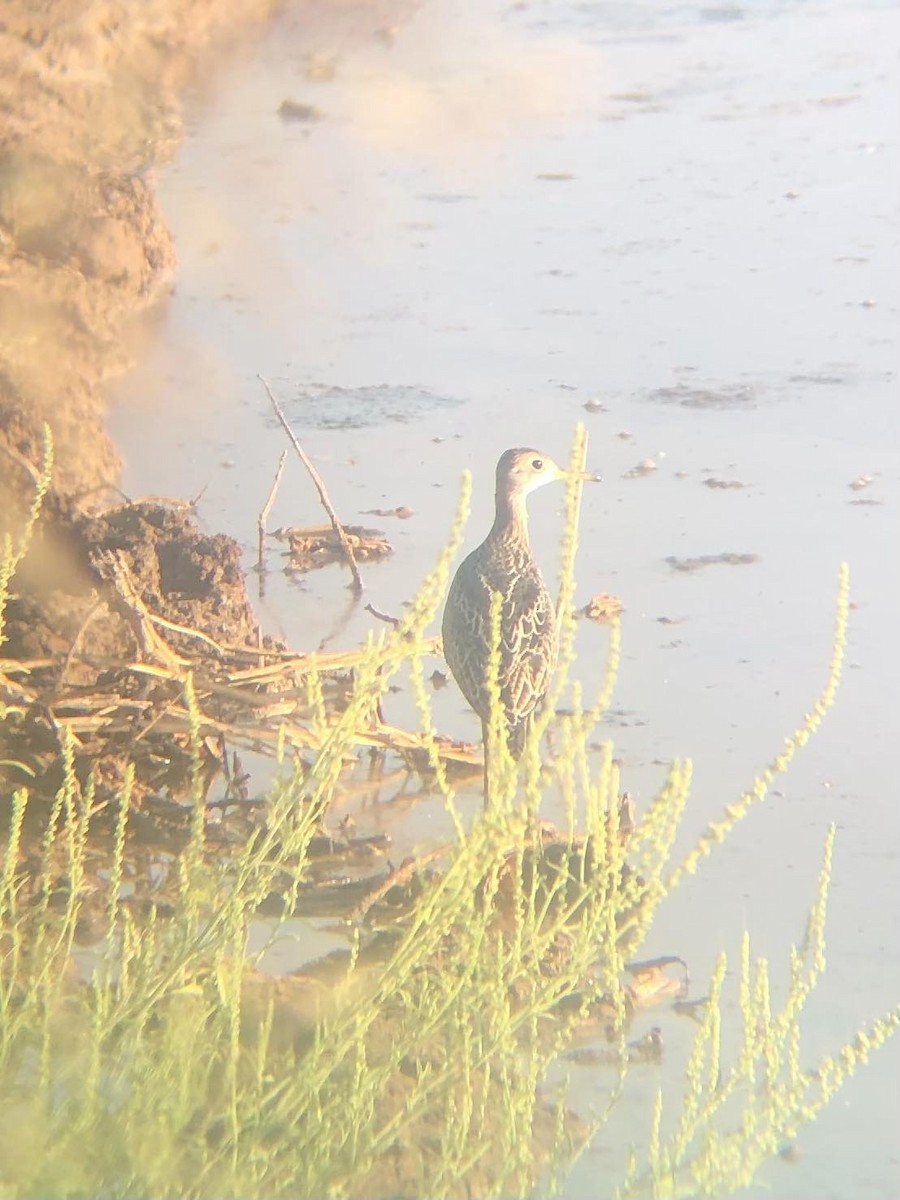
<point>90,102</point>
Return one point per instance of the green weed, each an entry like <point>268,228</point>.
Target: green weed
<point>168,1065</point>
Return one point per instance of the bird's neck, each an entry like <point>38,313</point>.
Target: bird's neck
<point>511,517</point>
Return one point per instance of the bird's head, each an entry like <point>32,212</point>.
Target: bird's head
<point>520,471</point>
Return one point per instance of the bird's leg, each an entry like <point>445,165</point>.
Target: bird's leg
<point>518,735</point>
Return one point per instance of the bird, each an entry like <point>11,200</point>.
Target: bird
<point>529,639</point>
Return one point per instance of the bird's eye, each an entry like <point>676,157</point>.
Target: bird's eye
<point>538,464</point>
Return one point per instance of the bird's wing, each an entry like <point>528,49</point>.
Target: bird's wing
<point>529,646</point>
<point>466,631</point>
<point>528,637</point>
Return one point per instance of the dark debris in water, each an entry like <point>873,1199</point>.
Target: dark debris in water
<point>602,608</point>
<point>645,1049</point>
<point>711,560</point>
<point>403,512</point>
<point>645,467</point>
<point>733,395</point>
<point>293,110</point>
<point>329,406</point>
<point>822,378</point>
<point>319,545</point>
<point>720,14</point>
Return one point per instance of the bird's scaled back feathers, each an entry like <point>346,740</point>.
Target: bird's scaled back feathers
<point>504,564</point>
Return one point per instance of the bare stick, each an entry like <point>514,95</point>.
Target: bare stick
<point>380,616</point>
<point>320,487</point>
<point>113,567</point>
<point>23,462</point>
<point>93,612</point>
<point>264,516</point>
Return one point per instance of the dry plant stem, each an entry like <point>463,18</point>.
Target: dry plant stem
<point>93,612</point>
<point>139,617</point>
<point>25,463</point>
<point>264,516</point>
<point>176,503</point>
<point>320,487</point>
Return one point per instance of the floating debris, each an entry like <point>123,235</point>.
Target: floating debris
<point>594,405</point>
<point>293,110</point>
<point>723,483</point>
<point>320,67</point>
<point>710,560</point>
<point>645,467</point>
<point>319,545</point>
<point>838,101</point>
<point>822,378</point>
<point>402,511</point>
<point>330,406</point>
<point>722,13</point>
<point>735,395</point>
<point>648,1048</point>
<point>602,608</point>
<point>862,481</point>
<point>650,983</point>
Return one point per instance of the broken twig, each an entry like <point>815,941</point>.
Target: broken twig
<point>320,487</point>
<point>264,516</point>
<point>380,616</point>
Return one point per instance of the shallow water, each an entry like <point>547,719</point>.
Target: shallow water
<point>499,214</point>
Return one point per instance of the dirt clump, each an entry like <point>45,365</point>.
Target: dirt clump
<point>126,574</point>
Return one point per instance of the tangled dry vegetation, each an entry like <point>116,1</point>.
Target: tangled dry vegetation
<point>164,607</point>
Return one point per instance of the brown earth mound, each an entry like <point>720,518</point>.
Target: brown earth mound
<point>97,587</point>
<point>89,95</point>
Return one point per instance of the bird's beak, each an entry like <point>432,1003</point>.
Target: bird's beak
<point>584,476</point>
